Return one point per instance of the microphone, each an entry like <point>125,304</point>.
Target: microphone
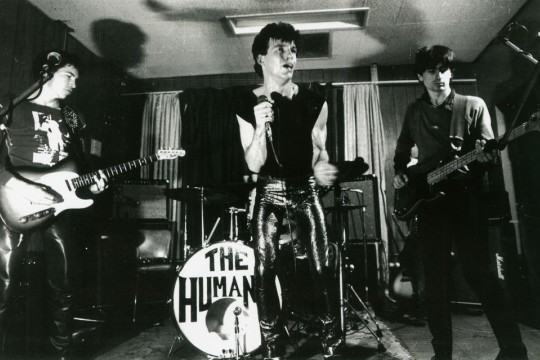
<point>276,96</point>
<point>267,128</point>
<point>53,59</point>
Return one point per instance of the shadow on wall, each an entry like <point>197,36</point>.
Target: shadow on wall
<point>119,42</point>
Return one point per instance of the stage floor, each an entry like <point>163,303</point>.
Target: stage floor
<point>473,340</point>
<point>158,341</point>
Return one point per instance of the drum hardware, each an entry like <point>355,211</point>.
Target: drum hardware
<point>209,237</point>
<point>233,222</point>
<point>204,195</point>
<point>342,208</point>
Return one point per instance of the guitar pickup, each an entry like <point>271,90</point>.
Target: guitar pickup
<point>36,216</point>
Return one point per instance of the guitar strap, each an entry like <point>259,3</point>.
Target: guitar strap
<point>458,121</point>
<point>75,126</point>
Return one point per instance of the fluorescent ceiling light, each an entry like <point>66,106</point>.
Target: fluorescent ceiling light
<point>311,20</point>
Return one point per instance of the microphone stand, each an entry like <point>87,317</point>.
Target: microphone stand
<point>26,93</point>
<point>237,312</point>
<point>46,76</point>
<point>504,141</point>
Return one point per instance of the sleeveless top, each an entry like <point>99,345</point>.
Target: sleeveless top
<point>291,132</point>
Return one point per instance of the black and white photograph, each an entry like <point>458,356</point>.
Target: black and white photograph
<point>270,180</point>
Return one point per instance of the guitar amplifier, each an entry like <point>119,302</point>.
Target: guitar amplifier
<point>363,213</point>
<point>140,199</point>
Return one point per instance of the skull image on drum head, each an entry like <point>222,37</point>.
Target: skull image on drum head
<point>221,318</point>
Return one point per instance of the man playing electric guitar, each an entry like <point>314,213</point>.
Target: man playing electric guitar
<point>442,123</point>
<point>41,133</point>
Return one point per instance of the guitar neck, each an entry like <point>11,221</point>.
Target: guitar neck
<point>89,179</point>
<point>442,172</point>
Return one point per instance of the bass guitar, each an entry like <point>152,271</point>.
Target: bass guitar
<point>422,188</point>
<point>21,215</point>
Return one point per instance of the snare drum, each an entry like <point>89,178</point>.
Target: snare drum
<point>213,289</point>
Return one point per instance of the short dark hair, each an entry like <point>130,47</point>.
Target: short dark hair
<point>280,31</point>
<point>428,57</point>
<point>65,58</point>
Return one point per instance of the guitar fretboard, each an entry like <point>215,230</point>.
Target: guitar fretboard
<point>442,172</point>
<point>89,179</point>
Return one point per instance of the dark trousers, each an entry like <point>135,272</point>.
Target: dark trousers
<point>276,199</point>
<point>56,240</point>
<point>459,218</point>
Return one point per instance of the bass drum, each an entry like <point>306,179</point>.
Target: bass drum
<point>213,289</point>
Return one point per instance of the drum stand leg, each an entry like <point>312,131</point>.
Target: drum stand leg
<point>178,342</point>
<point>344,293</point>
<point>376,334</point>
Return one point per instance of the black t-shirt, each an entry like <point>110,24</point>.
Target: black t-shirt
<point>37,137</point>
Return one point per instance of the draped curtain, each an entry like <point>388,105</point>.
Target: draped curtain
<point>162,128</point>
<point>364,137</point>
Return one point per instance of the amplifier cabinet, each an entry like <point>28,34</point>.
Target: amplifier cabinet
<point>140,199</point>
<point>363,205</point>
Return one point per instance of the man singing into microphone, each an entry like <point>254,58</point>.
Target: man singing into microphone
<point>283,133</point>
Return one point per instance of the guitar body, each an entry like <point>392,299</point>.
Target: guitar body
<point>401,286</point>
<point>20,215</point>
<point>422,189</point>
<point>409,199</point>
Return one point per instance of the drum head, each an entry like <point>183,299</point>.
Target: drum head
<point>212,291</point>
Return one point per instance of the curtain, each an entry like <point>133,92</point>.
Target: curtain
<point>162,128</point>
<point>364,137</point>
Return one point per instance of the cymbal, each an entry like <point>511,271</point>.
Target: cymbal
<point>345,207</point>
<point>239,187</point>
<point>210,196</point>
<point>352,169</point>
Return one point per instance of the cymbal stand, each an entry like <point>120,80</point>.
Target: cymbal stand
<point>364,243</point>
<point>203,240</point>
<point>343,218</point>
<point>233,222</point>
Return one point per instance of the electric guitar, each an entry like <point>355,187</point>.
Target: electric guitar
<point>424,188</point>
<point>21,215</point>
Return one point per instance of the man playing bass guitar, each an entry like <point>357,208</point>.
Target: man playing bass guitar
<point>442,124</point>
<point>41,133</point>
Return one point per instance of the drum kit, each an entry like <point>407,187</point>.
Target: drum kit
<point>213,295</point>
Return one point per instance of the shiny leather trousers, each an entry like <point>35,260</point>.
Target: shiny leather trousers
<point>56,242</point>
<point>275,200</point>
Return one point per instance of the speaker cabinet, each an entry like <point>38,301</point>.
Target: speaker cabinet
<point>140,199</point>
<point>134,264</point>
<point>503,263</point>
<point>362,198</point>
<point>529,311</point>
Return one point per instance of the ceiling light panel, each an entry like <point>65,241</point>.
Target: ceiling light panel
<point>312,21</point>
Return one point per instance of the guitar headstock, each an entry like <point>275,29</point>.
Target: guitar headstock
<point>169,154</point>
